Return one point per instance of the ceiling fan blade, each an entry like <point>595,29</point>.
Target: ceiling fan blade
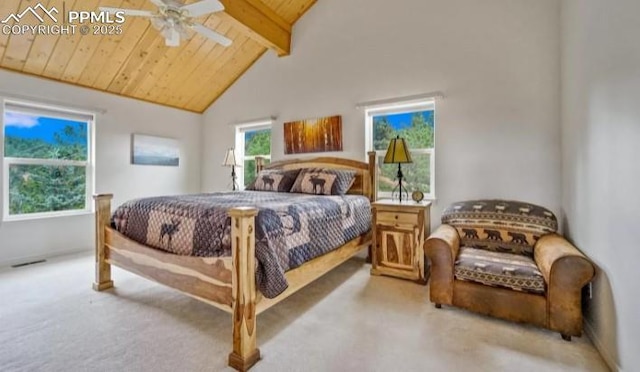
<point>203,7</point>
<point>158,3</point>
<point>129,12</point>
<point>172,38</point>
<point>211,34</point>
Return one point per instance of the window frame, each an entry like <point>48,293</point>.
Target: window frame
<point>51,111</point>
<point>241,130</point>
<point>403,107</point>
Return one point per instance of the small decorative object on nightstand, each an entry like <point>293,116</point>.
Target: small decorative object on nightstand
<point>417,196</point>
<point>399,230</point>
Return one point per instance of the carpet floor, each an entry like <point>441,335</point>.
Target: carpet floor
<point>51,320</point>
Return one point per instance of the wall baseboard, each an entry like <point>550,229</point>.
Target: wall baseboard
<point>609,360</point>
<point>15,261</point>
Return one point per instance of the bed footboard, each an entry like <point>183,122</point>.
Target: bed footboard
<point>243,286</point>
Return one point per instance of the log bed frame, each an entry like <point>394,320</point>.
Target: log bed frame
<point>227,283</point>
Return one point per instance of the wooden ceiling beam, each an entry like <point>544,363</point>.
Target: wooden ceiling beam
<point>260,23</point>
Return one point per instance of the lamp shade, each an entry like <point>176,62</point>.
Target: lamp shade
<point>230,159</point>
<point>398,152</point>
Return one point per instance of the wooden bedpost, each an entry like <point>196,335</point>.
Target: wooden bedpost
<point>373,192</point>
<point>372,173</point>
<point>103,215</point>
<point>259,164</point>
<point>243,245</point>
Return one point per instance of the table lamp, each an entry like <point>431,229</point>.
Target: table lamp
<point>398,152</point>
<point>230,161</point>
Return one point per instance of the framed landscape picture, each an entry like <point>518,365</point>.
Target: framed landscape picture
<point>313,135</point>
<point>152,150</point>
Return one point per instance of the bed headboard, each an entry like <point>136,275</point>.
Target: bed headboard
<point>364,184</point>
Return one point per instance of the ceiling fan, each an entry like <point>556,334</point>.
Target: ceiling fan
<point>175,21</point>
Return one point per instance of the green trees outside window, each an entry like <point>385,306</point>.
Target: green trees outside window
<point>256,143</point>
<point>47,163</point>
<point>45,188</point>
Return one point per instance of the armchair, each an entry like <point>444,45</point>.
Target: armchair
<point>504,259</point>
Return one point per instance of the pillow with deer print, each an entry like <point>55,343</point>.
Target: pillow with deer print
<point>278,180</point>
<point>324,181</point>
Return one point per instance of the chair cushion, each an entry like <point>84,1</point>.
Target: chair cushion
<point>495,269</point>
<point>500,225</point>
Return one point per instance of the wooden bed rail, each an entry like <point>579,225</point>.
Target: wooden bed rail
<point>103,216</point>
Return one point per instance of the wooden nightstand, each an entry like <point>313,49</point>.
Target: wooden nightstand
<point>399,230</point>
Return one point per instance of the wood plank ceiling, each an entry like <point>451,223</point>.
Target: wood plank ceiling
<point>137,63</point>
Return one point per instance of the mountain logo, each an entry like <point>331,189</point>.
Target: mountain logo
<point>34,11</point>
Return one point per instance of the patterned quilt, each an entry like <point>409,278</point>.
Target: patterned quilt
<point>290,228</point>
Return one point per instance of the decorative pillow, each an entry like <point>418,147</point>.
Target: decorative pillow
<point>279,180</point>
<point>324,181</point>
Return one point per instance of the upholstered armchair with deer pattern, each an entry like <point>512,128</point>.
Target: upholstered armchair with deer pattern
<point>504,259</point>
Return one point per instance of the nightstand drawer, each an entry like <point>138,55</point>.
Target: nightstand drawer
<point>400,219</point>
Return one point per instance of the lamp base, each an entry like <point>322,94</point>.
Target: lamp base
<point>400,193</point>
<point>234,184</point>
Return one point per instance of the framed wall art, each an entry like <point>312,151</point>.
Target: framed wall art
<point>313,135</point>
<point>152,150</point>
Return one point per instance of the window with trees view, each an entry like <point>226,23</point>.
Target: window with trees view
<point>414,123</point>
<point>47,163</point>
<point>252,140</point>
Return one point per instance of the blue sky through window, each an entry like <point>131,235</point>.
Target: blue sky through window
<point>32,127</point>
<point>400,121</point>
<point>248,135</point>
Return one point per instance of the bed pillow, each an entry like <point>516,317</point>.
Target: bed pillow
<point>278,180</point>
<point>324,181</point>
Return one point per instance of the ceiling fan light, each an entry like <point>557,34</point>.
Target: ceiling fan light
<point>185,32</point>
<point>166,33</point>
<point>158,23</point>
<point>173,40</point>
<point>172,43</point>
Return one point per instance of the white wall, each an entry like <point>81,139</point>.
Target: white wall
<point>22,240</point>
<point>601,174</point>
<point>497,61</point>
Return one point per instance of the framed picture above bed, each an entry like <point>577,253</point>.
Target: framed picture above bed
<point>313,135</point>
<point>152,150</point>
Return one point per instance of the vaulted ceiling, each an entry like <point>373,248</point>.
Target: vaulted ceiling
<point>138,64</point>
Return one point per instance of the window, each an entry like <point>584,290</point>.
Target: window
<point>252,140</point>
<point>47,162</point>
<point>415,123</point>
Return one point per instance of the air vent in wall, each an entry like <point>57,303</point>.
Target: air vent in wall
<point>28,263</point>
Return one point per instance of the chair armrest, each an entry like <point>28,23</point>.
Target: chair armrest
<point>558,259</point>
<point>442,249</point>
<point>565,270</point>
